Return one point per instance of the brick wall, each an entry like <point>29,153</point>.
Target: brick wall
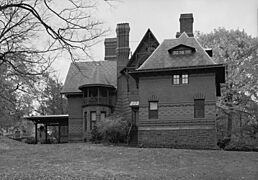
<point>180,138</point>
<point>176,125</point>
<point>75,119</point>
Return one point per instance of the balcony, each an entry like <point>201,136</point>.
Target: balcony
<point>101,95</point>
<point>104,101</point>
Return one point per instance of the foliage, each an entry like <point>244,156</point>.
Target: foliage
<point>113,129</point>
<point>240,52</point>
<point>33,33</point>
<point>50,99</point>
<point>242,144</point>
<point>96,136</point>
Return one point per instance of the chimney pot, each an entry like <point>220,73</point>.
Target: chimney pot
<point>110,49</point>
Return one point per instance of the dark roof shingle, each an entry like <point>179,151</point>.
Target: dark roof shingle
<point>92,72</point>
<point>161,58</point>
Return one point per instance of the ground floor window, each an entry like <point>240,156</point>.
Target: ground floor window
<point>102,115</point>
<point>199,108</point>
<point>85,121</point>
<point>153,110</point>
<point>93,119</point>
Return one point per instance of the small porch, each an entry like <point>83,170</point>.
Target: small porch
<point>60,121</point>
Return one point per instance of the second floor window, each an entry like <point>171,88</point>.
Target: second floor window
<point>180,79</point>
<point>176,79</point>
<point>185,79</point>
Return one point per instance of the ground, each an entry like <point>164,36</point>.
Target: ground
<point>89,161</point>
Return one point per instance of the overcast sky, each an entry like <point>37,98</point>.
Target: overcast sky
<point>162,17</point>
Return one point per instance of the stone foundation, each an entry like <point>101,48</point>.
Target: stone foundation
<point>182,138</point>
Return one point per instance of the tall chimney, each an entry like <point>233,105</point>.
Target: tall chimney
<point>110,49</point>
<point>186,24</point>
<point>122,50</point>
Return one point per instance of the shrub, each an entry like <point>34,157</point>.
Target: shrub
<point>242,144</point>
<point>112,129</point>
<point>30,140</point>
<point>95,135</point>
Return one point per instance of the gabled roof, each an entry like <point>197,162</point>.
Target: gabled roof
<point>147,38</point>
<point>161,58</point>
<point>88,73</point>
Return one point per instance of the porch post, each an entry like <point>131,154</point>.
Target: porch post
<point>59,133</point>
<point>46,132</point>
<point>36,133</point>
<point>107,96</point>
<point>98,95</point>
<point>88,95</point>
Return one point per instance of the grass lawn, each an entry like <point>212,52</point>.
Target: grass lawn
<point>88,161</point>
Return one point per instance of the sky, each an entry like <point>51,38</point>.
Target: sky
<point>162,17</point>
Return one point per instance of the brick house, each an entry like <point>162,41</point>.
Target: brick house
<point>167,91</point>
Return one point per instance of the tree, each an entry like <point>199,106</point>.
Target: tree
<point>64,27</point>
<point>50,100</point>
<point>33,33</point>
<point>240,52</point>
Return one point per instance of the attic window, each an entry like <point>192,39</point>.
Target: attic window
<point>182,52</point>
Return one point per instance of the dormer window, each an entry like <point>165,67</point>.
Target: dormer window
<point>181,50</point>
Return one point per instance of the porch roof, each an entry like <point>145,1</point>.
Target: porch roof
<point>49,119</point>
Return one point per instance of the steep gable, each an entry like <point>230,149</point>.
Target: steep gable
<point>86,73</point>
<point>163,58</point>
<point>145,48</point>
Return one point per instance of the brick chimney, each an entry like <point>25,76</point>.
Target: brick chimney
<point>110,49</point>
<point>186,24</point>
<point>122,103</point>
<point>122,50</point>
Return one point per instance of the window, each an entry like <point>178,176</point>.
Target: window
<point>180,79</point>
<point>188,51</point>
<point>153,110</point>
<point>185,79</point>
<point>182,52</point>
<point>85,121</point>
<point>176,79</point>
<point>102,115</point>
<point>175,52</point>
<point>199,108</point>
<point>93,118</point>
